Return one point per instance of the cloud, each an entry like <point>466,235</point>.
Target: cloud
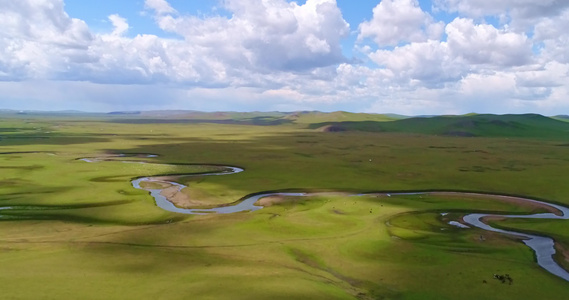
<point>45,47</point>
<point>397,21</point>
<point>485,44</point>
<point>259,38</point>
<point>159,6</point>
<point>430,62</point>
<point>272,35</point>
<point>552,35</point>
<point>278,54</point>
<point>120,24</point>
<point>523,9</point>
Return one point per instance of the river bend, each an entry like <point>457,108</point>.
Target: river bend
<point>542,246</point>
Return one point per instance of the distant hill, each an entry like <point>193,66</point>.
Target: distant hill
<point>396,116</point>
<point>252,118</point>
<point>193,117</point>
<point>309,117</point>
<point>469,125</point>
<point>124,113</point>
<point>526,125</point>
<point>42,113</point>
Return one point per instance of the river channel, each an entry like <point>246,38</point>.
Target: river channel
<point>542,246</point>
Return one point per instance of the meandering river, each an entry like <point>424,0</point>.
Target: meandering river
<point>542,246</point>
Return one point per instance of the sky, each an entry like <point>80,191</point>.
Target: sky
<point>411,57</point>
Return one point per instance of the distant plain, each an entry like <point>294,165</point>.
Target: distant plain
<point>73,229</point>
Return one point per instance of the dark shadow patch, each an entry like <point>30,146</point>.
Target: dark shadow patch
<point>459,133</point>
<point>27,168</point>
<point>259,121</point>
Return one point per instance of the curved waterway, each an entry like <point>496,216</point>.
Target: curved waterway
<point>542,246</point>
<point>248,204</point>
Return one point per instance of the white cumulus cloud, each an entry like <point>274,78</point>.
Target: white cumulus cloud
<point>46,47</point>
<point>120,24</point>
<point>396,21</point>
<point>160,6</point>
<point>267,35</point>
<point>485,44</point>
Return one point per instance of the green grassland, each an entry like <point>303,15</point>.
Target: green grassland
<point>80,230</point>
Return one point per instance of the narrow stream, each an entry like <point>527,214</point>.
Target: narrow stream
<point>542,246</point>
<point>247,204</point>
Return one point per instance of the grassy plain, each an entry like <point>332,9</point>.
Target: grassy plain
<point>80,230</point>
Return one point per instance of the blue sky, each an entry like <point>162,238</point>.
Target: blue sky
<point>141,22</point>
<point>400,56</point>
<point>133,10</point>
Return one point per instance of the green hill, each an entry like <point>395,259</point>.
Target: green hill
<point>310,117</point>
<point>526,125</point>
<point>564,118</point>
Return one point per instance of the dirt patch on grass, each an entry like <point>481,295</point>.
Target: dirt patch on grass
<point>276,200</point>
<point>154,185</point>
<point>173,193</point>
<point>562,255</point>
<point>272,200</point>
<point>489,219</point>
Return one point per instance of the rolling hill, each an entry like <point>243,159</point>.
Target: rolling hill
<point>487,125</point>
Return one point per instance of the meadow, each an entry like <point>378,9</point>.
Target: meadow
<point>74,229</point>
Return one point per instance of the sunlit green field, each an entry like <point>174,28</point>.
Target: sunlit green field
<point>79,230</point>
